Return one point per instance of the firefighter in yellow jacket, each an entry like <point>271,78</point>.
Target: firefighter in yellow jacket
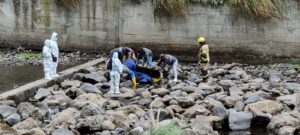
<point>203,58</point>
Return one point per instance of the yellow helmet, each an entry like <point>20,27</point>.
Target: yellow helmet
<point>201,39</point>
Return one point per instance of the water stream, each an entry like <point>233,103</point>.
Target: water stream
<point>15,76</point>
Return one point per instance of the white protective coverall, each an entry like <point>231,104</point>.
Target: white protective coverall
<point>55,53</point>
<point>47,59</point>
<point>117,69</point>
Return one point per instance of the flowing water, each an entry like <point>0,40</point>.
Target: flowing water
<point>14,76</point>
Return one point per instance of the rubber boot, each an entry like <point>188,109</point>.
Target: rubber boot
<point>134,84</point>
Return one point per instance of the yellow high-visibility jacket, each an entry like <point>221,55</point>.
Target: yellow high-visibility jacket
<point>204,54</point>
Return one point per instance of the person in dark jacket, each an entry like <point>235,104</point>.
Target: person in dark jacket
<point>168,60</point>
<point>124,53</point>
<point>145,56</point>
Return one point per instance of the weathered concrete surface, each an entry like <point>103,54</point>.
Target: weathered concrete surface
<point>99,25</point>
<point>24,92</point>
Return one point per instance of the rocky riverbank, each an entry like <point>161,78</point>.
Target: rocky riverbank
<point>22,57</point>
<point>237,97</point>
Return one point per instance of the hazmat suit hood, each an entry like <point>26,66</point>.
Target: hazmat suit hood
<point>54,36</point>
<point>47,43</point>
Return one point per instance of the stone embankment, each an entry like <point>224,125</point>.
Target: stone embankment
<point>22,57</point>
<point>237,97</point>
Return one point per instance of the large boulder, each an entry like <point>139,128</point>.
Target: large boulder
<point>89,88</point>
<point>59,99</point>
<point>25,125</point>
<point>93,78</point>
<point>185,102</point>
<point>70,83</point>
<point>42,93</point>
<point>62,131</point>
<point>66,118</point>
<point>26,109</point>
<point>90,124</point>
<point>135,109</point>
<point>5,111</point>
<point>231,100</point>
<point>266,106</point>
<point>291,119</point>
<point>193,111</point>
<point>239,120</point>
<point>201,126</point>
<point>13,119</point>
<point>290,100</point>
<point>236,91</point>
<point>91,110</point>
<point>226,84</point>
<point>160,91</point>
<point>90,98</point>
<point>291,86</point>
<point>157,103</point>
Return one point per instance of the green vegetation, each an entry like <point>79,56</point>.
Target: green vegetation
<point>168,129</point>
<point>266,9</point>
<point>29,56</point>
<point>171,7</point>
<point>69,4</point>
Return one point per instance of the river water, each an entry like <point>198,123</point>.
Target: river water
<point>15,76</point>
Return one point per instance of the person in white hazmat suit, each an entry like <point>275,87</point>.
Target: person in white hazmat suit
<point>47,59</point>
<point>55,54</point>
<point>117,69</point>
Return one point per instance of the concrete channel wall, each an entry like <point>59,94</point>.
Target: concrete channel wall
<point>99,25</point>
<point>24,92</point>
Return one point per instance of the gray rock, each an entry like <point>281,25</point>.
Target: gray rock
<point>13,119</point>
<point>104,133</point>
<point>8,103</point>
<point>239,120</point>
<point>144,101</point>
<point>201,126</point>
<point>136,131</point>
<point>90,123</point>
<point>193,77</point>
<point>176,93</point>
<point>231,100</point>
<point>89,88</point>
<point>226,84</point>
<point>185,102</point>
<point>236,91</point>
<point>266,106</point>
<point>91,110</point>
<point>160,92</point>
<point>291,119</point>
<point>5,111</point>
<point>290,100</point>
<point>218,72</point>
<point>220,111</point>
<point>173,102</point>
<point>291,86</point>
<point>90,98</point>
<point>193,111</point>
<point>107,125</point>
<point>252,99</point>
<point>287,130</point>
<point>119,131</point>
<point>42,93</point>
<point>239,106</point>
<point>89,70</point>
<point>67,83</point>
<point>27,124</point>
<point>59,99</point>
<point>25,109</point>
<point>260,119</point>
<point>93,78</point>
<point>157,103</point>
<point>62,131</point>
<point>275,78</point>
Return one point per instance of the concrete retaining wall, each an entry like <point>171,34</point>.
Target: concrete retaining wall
<point>100,25</point>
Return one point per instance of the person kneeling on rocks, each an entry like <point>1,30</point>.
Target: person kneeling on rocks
<point>116,70</point>
<point>171,61</point>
